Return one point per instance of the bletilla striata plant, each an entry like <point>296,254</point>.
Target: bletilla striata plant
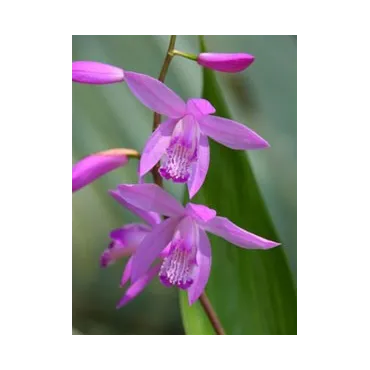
<point>172,243</point>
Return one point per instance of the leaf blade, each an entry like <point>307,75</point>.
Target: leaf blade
<point>253,292</point>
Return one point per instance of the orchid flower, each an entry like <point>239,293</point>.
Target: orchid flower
<point>181,239</point>
<point>181,141</point>
<point>124,242</point>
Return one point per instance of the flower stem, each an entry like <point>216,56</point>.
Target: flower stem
<point>206,304</point>
<point>184,55</point>
<point>213,318</point>
<point>162,75</point>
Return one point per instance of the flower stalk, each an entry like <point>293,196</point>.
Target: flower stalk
<point>184,55</point>
<point>212,316</point>
<point>206,304</point>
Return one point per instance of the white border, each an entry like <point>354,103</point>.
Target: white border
<point>333,192</point>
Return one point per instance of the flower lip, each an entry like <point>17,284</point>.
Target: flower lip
<point>182,151</point>
<point>177,267</point>
<point>179,158</point>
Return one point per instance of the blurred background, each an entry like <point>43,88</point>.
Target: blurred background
<point>264,97</point>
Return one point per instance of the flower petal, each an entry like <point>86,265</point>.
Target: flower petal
<point>156,146</point>
<point>187,231</point>
<point>124,242</point>
<point>127,271</point>
<point>200,212</point>
<point>96,165</point>
<point>225,62</point>
<point>224,228</point>
<point>136,288</point>
<point>155,95</point>
<point>151,197</point>
<point>200,167</point>
<point>231,134</point>
<point>199,107</point>
<point>202,272</point>
<point>151,218</point>
<point>112,254</point>
<point>130,235</point>
<point>152,245</point>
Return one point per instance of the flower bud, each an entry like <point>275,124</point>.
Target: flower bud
<point>96,73</point>
<point>225,62</point>
<point>96,165</point>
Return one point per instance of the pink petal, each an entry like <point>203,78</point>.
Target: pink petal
<point>225,62</point>
<point>224,228</point>
<point>114,253</point>
<point>156,146</point>
<point>152,245</point>
<point>151,218</point>
<point>127,271</point>
<point>200,167</point>
<point>96,73</point>
<point>199,107</point>
<point>136,288</point>
<point>151,197</point>
<point>96,165</point>
<point>204,260</point>
<point>187,231</point>
<point>155,95</point>
<point>199,212</point>
<point>231,134</point>
<point>124,242</point>
<point>130,235</point>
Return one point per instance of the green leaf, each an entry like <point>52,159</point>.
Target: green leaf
<point>252,291</point>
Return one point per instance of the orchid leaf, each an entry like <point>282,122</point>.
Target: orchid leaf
<point>252,291</point>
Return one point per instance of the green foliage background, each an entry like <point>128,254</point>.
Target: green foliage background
<point>264,97</point>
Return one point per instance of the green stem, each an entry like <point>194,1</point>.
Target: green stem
<point>185,55</point>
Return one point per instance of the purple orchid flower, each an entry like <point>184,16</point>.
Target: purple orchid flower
<point>187,257</point>
<point>181,141</point>
<point>124,242</point>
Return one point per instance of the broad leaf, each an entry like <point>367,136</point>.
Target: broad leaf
<point>253,292</point>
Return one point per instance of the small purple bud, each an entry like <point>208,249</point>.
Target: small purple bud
<point>96,165</point>
<point>225,62</point>
<point>96,73</point>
